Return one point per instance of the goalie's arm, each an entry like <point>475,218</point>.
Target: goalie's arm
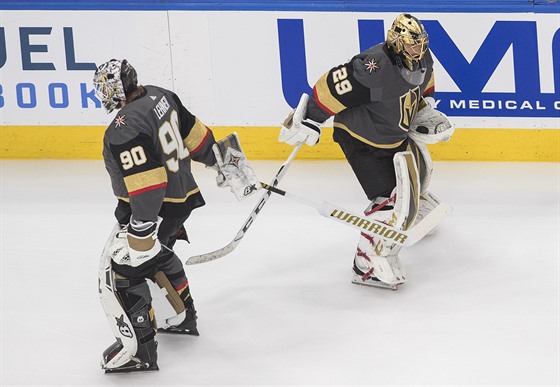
<point>340,88</point>
<point>197,137</point>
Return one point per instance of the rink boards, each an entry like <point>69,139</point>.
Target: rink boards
<point>497,74</point>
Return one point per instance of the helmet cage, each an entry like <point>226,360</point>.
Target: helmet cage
<point>408,38</point>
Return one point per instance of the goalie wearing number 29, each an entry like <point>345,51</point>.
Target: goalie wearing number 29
<point>383,107</point>
<point>147,150</point>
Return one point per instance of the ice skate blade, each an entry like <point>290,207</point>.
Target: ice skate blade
<point>128,370</point>
<point>188,332</point>
<point>373,283</point>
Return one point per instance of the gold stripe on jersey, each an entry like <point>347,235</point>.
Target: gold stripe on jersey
<point>169,200</point>
<point>324,96</point>
<point>196,137</point>
<point>144,180</point>
<point>382,146</point>
<point>430,85</point>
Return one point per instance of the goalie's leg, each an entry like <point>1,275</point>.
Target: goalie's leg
<point>376,261</point>
<point>172,280</point>
<point>135,304</point>
<point>428,201</point>
<point>127,308</point>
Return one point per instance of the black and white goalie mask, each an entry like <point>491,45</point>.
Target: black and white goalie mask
<point>112,80</point>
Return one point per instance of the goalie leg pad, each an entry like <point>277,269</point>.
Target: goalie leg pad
<point>428,201</point>
<point>129,318</point>
<point>376,258</point>
<point>424,163</point>
<point>376,262</point>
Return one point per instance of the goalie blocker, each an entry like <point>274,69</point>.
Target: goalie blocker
<point>233,167</point>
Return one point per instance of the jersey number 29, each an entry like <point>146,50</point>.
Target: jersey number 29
<point>341,84</point>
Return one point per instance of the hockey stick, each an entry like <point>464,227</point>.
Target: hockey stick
<point>196,259</point>
<point>371,226</point>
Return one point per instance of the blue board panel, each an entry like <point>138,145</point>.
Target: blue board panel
<point>285,5</point>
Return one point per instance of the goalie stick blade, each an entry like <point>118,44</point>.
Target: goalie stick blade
<point>208,257</point>
<point>435,217</point>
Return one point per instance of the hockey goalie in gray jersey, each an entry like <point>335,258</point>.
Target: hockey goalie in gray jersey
<point>147,150</point>
<point>383,107</point>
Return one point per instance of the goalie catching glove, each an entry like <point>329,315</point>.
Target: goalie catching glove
<point>297,129</point>
<point>233,168</point>
<point>430,126</point>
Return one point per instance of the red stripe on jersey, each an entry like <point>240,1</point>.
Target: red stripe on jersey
<point>202,142</point>
<point>320,104</point>
<point>146,189</point>
<point>428,91</point>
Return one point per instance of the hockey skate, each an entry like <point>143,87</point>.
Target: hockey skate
<point>187,327</point>
<point>136,364</point>
<point>361,278</point>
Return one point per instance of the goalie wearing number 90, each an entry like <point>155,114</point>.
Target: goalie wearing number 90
<point>147,150</point>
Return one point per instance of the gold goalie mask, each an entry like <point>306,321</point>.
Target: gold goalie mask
<point>408,39</point>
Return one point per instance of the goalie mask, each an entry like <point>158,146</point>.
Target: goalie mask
<point>112,81</point>
<point>408,39</point>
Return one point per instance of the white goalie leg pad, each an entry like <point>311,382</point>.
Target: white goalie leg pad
<point>118,320</point>
<point>424,163</point>
<point>374,257</point>
<point>379,258</point>
<point>428,201</point>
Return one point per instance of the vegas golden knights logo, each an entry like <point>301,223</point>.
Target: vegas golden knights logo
<point>409,106</point>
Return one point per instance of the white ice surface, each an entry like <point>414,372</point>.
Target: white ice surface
<point>481,307</point>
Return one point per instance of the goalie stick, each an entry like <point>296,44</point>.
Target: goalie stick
<point>371,226</point>
<point>196,259</point>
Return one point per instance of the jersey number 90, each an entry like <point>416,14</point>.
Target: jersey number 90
<point>135,156</point>
<point>172,142</point>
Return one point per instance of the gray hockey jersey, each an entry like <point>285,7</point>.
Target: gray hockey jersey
<point>372,97</point>
<point>147,150</point>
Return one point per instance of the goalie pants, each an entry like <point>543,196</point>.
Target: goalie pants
<point>170,229</point>
<point>372,166</point>
<point>134,292</point>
